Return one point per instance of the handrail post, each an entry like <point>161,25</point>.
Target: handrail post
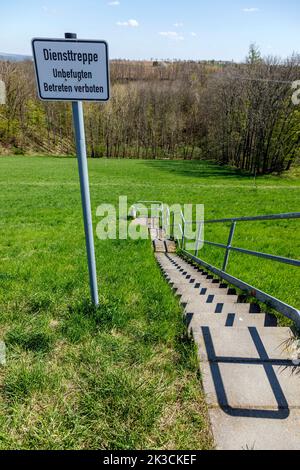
<point>172,225</point>
<point>229,243</point>
<point>183,234</point>
<point>198,239</point>
<point>167,229</point>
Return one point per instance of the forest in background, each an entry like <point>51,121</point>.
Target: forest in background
<point>236,114</point>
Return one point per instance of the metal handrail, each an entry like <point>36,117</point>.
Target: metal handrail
<point>287,310</point>
<point>233,221</point>
<point>165,223</point>
<point>290,215</point>
<point>229,247</point>
<point>258,254</point>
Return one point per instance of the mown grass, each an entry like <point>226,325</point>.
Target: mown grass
<point>119,377</point>
<point>123,376</point>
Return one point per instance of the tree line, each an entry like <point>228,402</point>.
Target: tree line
<point>236,114</point>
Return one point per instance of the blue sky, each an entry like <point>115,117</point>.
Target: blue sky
<point>184,29</point>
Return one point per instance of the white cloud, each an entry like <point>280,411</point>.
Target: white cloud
<point>178,25</point>
<point>172,35</point>
<point>250,10</point>
<point>169,33</point>
<point>129,23</point>
<point>49,11</point>
<point>114,3</point>
<point>194,34</point>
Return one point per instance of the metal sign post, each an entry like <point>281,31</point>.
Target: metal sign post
<point>85,197</point>
<point>75,70</point>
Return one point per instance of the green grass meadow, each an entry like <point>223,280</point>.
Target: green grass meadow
<point>123,376</point>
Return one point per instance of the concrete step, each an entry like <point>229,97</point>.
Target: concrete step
<point>248,370</point>
<point>179,280</point>
<point>183,273</point>
<point>153,234</point>
<point>263,386</point>
<point>161,234</point>
<point>183,270</point>
<point>231,320</point>
<point>191,269</point>
<point>166,265</point>
<point>202,289</point>
<point>199,275</point>
<point>164,246</point>
<point>167,262</point>
<point>171,246</point>
<point>199,308</point>
<point>159,246</point>
<point>241,344</point>
<point>186,267</point>
<point>194,273</point>
<point>178,261</point>
<point>169,268</point>
<point>256,430</point>
<point>157,234</point>
<point>188,296</point>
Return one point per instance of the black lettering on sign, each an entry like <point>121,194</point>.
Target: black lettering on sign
<point>58,88</point>
<point>70,56</point>
<point>88,89</point>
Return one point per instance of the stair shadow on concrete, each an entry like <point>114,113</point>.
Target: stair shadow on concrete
<point>281,413</point>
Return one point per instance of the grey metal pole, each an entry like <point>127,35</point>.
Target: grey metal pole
<point>172,225</point>
<point>183,235</point>
<point>198,239</point>
<point>230,238</point>
<point>85,192</point>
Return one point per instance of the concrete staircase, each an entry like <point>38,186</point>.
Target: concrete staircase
<point>251,383</point>
<point>249,366</point>
<point>158,237</point>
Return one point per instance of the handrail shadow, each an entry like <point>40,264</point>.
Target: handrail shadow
<point>281,413</point>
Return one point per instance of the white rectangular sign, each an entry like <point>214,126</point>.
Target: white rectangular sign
<point>71,69</point>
